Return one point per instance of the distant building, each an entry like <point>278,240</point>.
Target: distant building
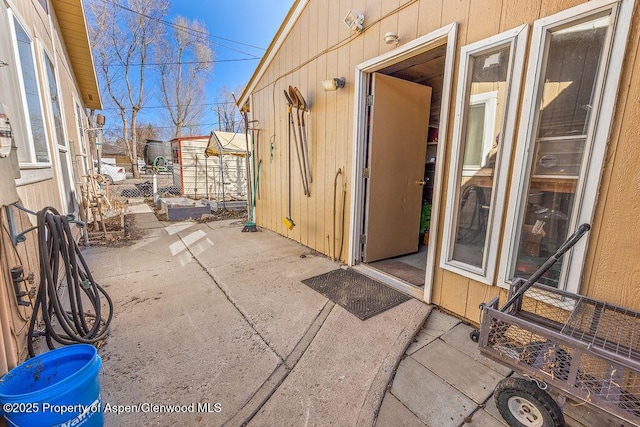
<point>211,167</point>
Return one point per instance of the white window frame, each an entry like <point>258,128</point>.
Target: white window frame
<point>61,147</point>
<point>23,118</point>
<point>490,101</point>
<point>47,56</point>
<point>82,138</point>
<point>595,146</point>
<point>517,37</point>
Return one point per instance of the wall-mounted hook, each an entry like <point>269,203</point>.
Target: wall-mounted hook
<point>21,237</point>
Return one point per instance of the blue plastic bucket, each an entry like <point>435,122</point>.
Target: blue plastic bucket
<point>57,388</point>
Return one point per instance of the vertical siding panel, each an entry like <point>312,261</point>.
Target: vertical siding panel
<point>272,102</point>
<point>549,7</point>
<point>484,17</point>
<point>478,293</point>
<point>280,151</point>
<point>454,293</point>
<point>292,56</point>
<point>408,23</point>
<point>274,120</point>
<point>356,56</point>
<point>389,6</point>
<point>518,12</point>
<point>429,16</point>
<point>311,98</point>
<point>612,271</point>
<point>267,129</point>
<point>330,145</point>
<point>304,90</point>
<point>386,25</point>
<point>457,11</point>
<point>344,105</point>
<point>321,120</point>
<point>436,291</point>
<point>372,35</point>
<point>268,121</point>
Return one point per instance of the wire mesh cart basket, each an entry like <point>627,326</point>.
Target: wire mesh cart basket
<point>583,349</point>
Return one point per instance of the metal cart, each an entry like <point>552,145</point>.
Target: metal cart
<point>583,349</point>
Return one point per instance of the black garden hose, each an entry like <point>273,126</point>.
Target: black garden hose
<point>60,259</point>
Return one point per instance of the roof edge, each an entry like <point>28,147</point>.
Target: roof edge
<point>78,6</point>
<point>278,39</point>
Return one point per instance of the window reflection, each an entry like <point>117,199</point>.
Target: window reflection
<point>55,103</point>
<point>566,98</point>
<point>484,117</point>
<point>34,107</point>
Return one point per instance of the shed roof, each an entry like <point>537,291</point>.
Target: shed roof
<point>231,143</point>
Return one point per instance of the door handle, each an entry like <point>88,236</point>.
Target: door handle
<point>422,182</point>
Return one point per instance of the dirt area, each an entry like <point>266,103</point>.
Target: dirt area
<point>120,231</point>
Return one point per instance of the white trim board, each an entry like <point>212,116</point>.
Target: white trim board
<point>517,38</point>
<point>445,35</point>
<point>587,189</point>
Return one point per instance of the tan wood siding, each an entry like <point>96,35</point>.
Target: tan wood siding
<point>320,47</point>
<point>612,270</point>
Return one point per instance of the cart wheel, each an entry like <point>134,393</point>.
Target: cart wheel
<point>474,335</point>
<point>522,403</point>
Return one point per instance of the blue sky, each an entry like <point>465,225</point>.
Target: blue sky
<point>240,30</point>
<point>252,22</point>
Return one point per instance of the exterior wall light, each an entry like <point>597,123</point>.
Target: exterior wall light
<point>354,20</point>
<point>333,84</point>
<point>391,37</point>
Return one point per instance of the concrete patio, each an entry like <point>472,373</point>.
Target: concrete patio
<point>217,319</point>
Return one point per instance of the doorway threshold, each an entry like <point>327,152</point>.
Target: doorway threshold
<point>390,280</point>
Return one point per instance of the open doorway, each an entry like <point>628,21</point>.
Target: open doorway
<point>400,150</point>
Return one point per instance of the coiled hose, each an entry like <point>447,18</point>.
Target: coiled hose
<point>60,258</point>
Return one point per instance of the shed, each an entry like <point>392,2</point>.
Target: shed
<point>512,122</point>
<point>212,167</point>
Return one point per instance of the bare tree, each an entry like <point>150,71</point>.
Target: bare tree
<point>229,117</point>
<point>123,38</point>
<point>186,58</point>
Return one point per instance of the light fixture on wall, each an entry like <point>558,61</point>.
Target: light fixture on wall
<point>354,20</point>
<point>391,37</point>
<point>333,84</point>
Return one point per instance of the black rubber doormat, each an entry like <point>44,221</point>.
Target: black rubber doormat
<point>362,296</point>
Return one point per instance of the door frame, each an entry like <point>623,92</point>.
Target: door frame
<point>442,36</point>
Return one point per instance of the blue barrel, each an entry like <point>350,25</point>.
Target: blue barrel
<point>60,387</point>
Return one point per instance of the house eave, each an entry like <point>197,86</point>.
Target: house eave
<point>73,27</point>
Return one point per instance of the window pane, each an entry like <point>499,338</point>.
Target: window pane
<point>55,102</point>
<point>83,148</point>
<point>488,73</point>
<point>475,127</point>
<point>34,106</point>
<point>567,96</point>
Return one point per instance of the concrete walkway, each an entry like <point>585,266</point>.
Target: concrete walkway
<point>443,380</point>
<point>219,322</point>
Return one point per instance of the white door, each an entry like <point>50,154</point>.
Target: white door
<point>397,148</point>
